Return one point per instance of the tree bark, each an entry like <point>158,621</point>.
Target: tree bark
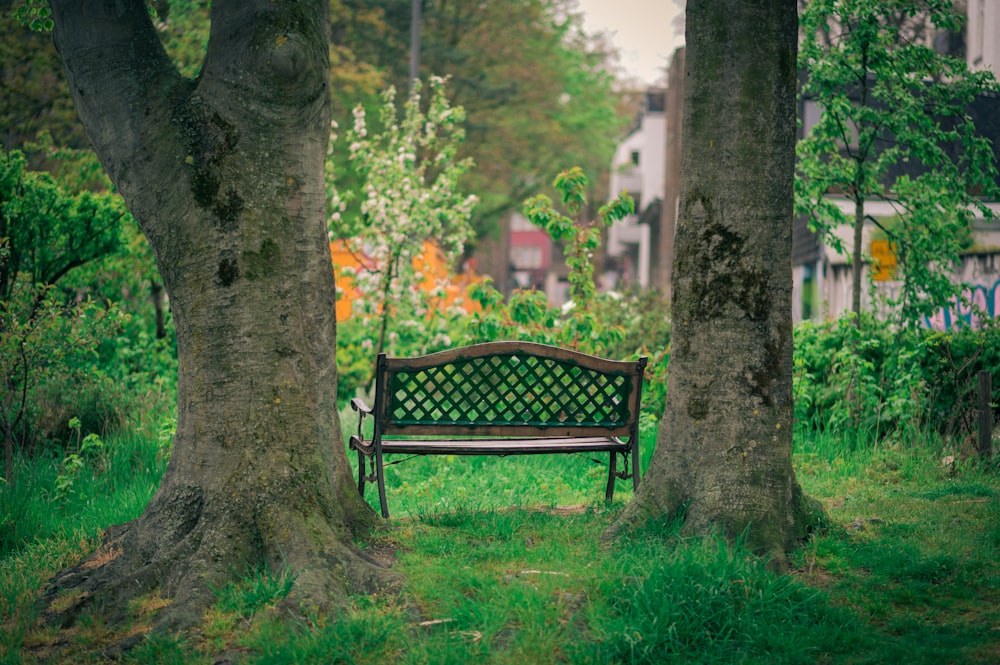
<point>857,255</point>
<point>225,177</point>
<point>723,455</point>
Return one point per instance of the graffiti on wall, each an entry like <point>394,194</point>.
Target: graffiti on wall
<point>977,303</point>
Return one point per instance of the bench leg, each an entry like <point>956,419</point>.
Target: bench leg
<point>635,463</point>
<point>609,493</point>
<point>380,475</point>
<point>361,474</point>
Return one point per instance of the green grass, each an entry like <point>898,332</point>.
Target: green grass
<point>43,529</point>
<point>499,570</point>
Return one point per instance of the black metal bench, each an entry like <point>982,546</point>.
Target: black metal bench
<point>501,398</point>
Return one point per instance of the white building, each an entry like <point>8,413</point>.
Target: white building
<point>638,168</point>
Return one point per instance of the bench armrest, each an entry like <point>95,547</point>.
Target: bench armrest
<point>362,446</point>
<point>357,441</point>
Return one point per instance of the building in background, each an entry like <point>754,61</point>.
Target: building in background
<point>982,48</point>
<point>638,168</point>
<point>531,253</point>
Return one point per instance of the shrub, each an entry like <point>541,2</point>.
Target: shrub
<point>408,171</point>
<point>50,369</point>
<point>74,271</point>
<point>870,382</point>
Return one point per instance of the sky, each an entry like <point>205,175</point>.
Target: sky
<point>642,30</point>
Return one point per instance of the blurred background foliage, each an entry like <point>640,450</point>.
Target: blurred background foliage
<point>85,325</point>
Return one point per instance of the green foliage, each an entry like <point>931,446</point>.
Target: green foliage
<point>48,361</point>
<point>644,322</point>
<point>869,383</point>
<point>528,316</point>
<point>48,231</point>
<point>895,126</point>
<point>409,171</point>
<point>72,270</point>
<point>36,15</point>
<point>436,329</point>
<point>90,449</point>
<point>581,236</point>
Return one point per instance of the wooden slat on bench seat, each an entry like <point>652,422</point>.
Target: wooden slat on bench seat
<point>533,446</point>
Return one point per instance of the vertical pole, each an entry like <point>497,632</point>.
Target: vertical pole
<point>985,416</point>
<point>414,42</point>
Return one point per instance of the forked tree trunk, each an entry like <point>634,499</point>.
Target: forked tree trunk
<point>225,176</point>
<point>724,448</point>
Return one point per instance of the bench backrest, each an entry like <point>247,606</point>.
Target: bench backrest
<point>508,388</point>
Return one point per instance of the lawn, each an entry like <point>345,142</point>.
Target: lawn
<point>504,563</point>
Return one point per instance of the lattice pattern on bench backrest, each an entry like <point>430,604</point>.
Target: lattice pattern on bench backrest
<point>507,389</point>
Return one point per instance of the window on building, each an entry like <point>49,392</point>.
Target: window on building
<point>526,257</point>
<point>635,158</point>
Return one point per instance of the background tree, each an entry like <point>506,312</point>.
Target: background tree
<point>531,83</point>
<point>408,196</point>
<point>896,125</point>
<point>224,174</point>
<point>723,456</point>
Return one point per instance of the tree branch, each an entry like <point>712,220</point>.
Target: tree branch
<point>111,50</point>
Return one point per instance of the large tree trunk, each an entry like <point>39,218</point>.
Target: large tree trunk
<point>225,176</point>
<point>723,455</point>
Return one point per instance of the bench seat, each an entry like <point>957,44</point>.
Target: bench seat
<point>501,446</point>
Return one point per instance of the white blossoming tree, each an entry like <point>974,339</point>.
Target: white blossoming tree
<point>407,170</point>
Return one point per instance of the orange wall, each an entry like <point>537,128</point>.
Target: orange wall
<point>430,262</point>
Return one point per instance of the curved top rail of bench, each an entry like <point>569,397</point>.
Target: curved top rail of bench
<point>486,349</point>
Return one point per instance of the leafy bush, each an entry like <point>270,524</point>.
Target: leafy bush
<point>433,330</point>
<point>50,369</point>
<point>73,274</point>
<point>644,321</point>
<point>869,382</point>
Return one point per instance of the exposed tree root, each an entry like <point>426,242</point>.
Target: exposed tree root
<point>186,549</point>
<point>773,538</point>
